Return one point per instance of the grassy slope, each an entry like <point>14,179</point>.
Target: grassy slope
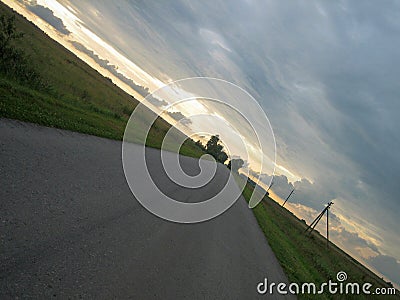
<point>306,258</point>
<point>78,98</point>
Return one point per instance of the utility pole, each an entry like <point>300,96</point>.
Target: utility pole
<point>287,198</point>
<point>327,228</point>
<point>318,218</point>
<point>272,183</point>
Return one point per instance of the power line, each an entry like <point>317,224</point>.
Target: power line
<point>318,218</point>
<point>287,198</point>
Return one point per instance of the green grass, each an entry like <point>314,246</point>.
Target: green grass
<point>306,258</point>
<point>78,98</point>
<point>75,97</point>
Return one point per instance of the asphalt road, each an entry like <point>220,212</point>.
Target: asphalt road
<point>71,228</point>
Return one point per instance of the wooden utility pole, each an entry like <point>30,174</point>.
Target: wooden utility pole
<point>327,228</point>
<point>318,218</point>
<point>272,183</point>
<point>287,198</point>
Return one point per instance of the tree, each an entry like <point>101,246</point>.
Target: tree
<point>215,149</point>
<point>222,157</point>
<point>13,61</point>
<point>8,33</point>
<point>235,164</point>
<point>200,145</point>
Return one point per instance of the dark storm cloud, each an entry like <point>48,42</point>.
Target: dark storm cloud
<point>350,50</point>
<point>353,238</point>
<point>361,84</point>
<point>47,15</point>
<point>178,116</point>
<point>305,192</point>
<point>385,264</point>
<point>105,64</point>
<point>389,266</point>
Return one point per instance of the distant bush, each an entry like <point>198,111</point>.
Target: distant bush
<point>235,164</point>
<point>214,148</point>
<point>13,61</point>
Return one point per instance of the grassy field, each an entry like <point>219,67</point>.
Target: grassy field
<point>78,98</point>
<point>306,258</point>
<point>72,95</point>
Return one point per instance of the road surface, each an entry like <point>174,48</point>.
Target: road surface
<point>71,228</point>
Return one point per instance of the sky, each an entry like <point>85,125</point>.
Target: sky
<point>324,72</point>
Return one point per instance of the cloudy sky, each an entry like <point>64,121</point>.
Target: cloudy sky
<point>325,72</point>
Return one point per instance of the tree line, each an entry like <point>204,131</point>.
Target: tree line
<point>216,150</point>
<point>14,63</point>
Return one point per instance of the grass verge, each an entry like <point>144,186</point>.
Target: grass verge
<point>306,258</point>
